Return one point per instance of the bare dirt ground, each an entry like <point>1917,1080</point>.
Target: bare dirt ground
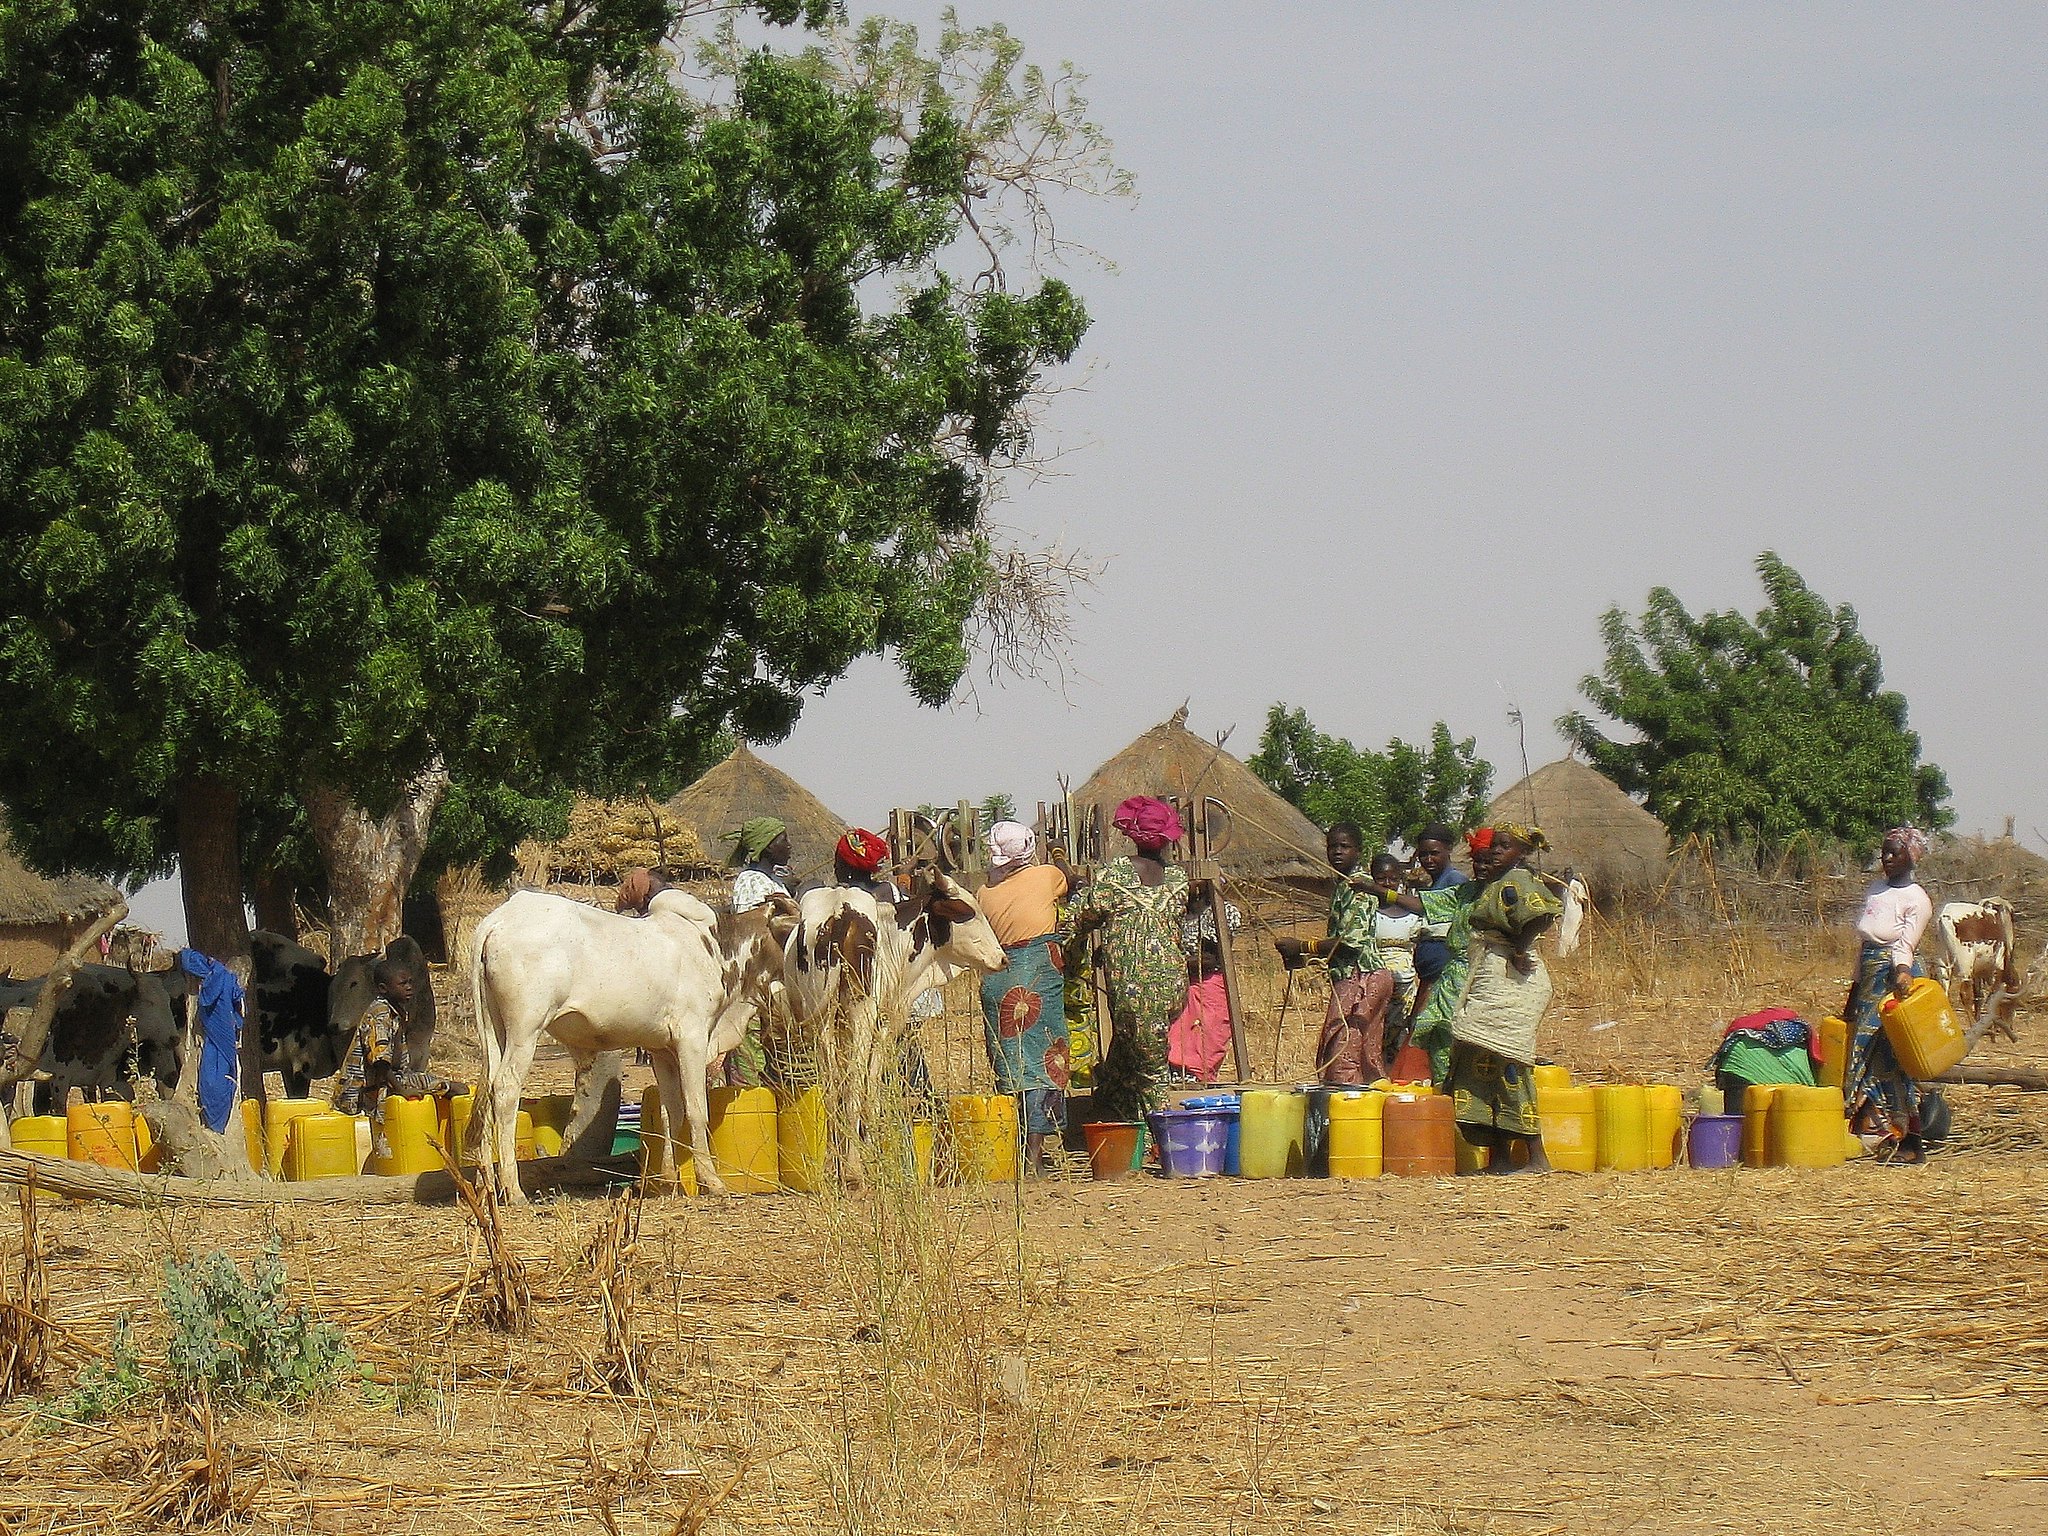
<point>1774,1350</point>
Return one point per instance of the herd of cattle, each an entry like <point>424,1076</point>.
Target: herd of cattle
<point>838,969</point>
<point>116,1026</point>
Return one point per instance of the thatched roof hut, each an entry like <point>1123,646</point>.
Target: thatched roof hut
<point>1271,843</point>
<point>41,914</point>
<point>744,785</point>
<point>1593,827</point>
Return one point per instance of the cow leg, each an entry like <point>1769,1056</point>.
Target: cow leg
<point>680,1074</point>
<point>508,1081</point>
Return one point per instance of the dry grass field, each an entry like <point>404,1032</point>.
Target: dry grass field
<point>1738,1351</point>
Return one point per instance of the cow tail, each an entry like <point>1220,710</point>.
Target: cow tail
<point>486,1024</point>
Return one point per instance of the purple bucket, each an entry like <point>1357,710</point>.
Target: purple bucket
<point>1715,1141</point>
<point>1191,1141</point>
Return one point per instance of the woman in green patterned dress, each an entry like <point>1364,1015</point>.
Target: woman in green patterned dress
<point>1451,905</point>
<point>1138,902</point>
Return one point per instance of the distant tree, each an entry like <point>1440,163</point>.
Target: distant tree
<point>997,807</point>
<point>1758,730</point>
<point>414,411</point>
<point>1390,794</point>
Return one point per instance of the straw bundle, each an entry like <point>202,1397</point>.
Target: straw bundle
<point>608,837</point>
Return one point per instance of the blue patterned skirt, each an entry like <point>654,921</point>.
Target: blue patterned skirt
<point>1024,1018</point>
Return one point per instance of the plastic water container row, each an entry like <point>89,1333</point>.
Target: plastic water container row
<point>1409,1130</point>
<point>764,1142</point>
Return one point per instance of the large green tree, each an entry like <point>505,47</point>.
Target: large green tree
<point>409,403</point>
<point>1394,793</point>
<point>1757,730</point>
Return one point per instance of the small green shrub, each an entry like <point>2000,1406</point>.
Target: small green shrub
<point>237,1338</point>
<point>106,1387</point>
<point>234,1338</point>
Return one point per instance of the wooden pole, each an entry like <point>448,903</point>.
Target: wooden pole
<point>1223,946</point>
<point>118,1186</point>
<point>2031,1078</point>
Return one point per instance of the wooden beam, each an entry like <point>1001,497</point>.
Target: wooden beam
<point>118,1186</point>
<point>2031,1078</point>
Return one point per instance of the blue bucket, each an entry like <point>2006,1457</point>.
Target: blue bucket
<point>1225,1103</point>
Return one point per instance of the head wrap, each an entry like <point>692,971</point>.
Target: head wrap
<point>862,850</point>
<point>1912,839</point>
<point>1479,839</point>
<point>1148,821</point>
<point>751,837</point>
<point>636,889</point>
<point>1011,842</point>
<point>1530,837</point>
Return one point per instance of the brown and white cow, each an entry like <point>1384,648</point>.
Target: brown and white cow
<point>681,984</point>
<point>1976,962</point>
<point>851,970</point>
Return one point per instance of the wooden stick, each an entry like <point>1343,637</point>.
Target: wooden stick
<point>1280,1030</point>
<point>2031,1078</point>
<point>1218,907</point>
<point>118,1186</point>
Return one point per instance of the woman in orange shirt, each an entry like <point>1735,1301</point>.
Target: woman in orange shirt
<point>1024,1004</point>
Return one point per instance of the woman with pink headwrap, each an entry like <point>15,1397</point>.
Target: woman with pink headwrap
<point>1138,902</point>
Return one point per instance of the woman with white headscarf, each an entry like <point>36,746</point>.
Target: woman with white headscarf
<point>1024,1004</point>
<point>1882,1101</point>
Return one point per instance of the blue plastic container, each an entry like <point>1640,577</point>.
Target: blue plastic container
<point>1192,1142</point>
<point>1228,1104</point>
<point>1714,1141</point>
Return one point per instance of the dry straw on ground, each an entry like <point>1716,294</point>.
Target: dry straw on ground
<point>1693,1352</point>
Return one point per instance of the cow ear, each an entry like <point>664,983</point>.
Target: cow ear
<point>953,909</point>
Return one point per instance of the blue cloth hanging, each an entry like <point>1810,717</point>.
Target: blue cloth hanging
<point>220,1024</point>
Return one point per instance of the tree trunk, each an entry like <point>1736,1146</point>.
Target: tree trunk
<point>371,860</point>
<point>210,870</point>
<point>273,895</point>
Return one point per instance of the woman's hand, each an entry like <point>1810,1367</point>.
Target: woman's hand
<point>1523,962</point>
<point>1902,981</point>
<point>1290,953</point>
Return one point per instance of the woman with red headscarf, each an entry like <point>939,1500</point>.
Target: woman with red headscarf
<point>1138,902</point>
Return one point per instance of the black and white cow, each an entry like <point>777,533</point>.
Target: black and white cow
<point>306,1017</point>
<point>92,1038</point>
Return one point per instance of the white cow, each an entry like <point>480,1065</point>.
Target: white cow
<point>851,970</point>
<point>1975,961</point>
<point>681,984</point>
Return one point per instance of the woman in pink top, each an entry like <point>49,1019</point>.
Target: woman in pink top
<point>1882,1101</point>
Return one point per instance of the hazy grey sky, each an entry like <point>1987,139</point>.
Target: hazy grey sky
<point>1458,323</point>
<point>1441,327</point>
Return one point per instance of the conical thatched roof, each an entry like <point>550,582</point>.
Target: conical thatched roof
<point>1593,827</point>
<point>743,786</point>
<point>28,898</point>
<point>1270,840</point>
